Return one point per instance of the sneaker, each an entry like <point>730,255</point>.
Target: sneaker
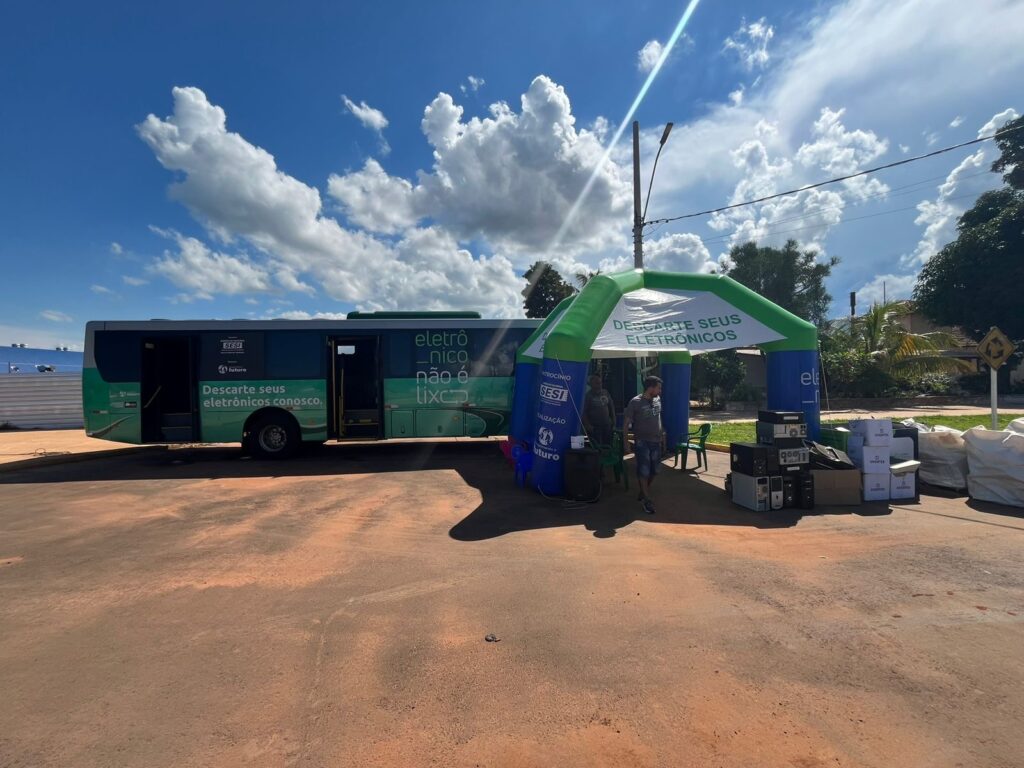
<point>643,503</point>
<point>648,506</point>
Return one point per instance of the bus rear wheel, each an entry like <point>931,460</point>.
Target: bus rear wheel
<point>274,436</point>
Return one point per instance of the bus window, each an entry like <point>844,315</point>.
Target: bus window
<point>294,354</point>
<point>118,355</point>
<point>493,352</point>
<point>401,360</point>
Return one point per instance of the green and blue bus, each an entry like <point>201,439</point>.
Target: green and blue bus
<point>274,384</point>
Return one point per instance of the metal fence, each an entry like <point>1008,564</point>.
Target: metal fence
<point>41,400</point>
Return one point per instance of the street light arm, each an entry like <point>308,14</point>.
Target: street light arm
<point>654,170</point>
<point>643,216</point>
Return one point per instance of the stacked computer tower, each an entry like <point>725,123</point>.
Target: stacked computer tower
<point>774,472</point>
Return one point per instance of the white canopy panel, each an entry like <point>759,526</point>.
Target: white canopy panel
<point>649,321</point>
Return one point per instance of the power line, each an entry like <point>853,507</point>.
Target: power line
<point>722,238</point>
<point>838,179</point>
<point>894,192</point>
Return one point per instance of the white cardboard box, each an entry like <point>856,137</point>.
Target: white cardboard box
<point>877,432</point>
<point>903,486</point>
<point>869,459</point>
<point>875,487</point>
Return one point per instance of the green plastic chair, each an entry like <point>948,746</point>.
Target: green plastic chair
<point>697,447</point>
<point>612,456</point>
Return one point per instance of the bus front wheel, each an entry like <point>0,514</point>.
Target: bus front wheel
<point>274,436</point>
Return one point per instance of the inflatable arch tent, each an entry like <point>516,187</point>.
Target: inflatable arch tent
<point>640,313</point>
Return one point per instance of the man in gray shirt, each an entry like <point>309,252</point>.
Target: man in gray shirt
<point>643,415</point>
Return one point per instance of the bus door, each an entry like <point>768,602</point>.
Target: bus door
<point>356,387</point>
<point>168,389</point>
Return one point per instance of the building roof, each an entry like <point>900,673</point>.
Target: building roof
<point>26,359</point>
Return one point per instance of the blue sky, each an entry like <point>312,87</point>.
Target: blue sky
<point>215,160</point>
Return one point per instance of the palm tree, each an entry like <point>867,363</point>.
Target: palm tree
<point>896,350</point>
<point>582,278</point>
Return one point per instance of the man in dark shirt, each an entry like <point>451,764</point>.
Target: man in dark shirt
<point>643,414</point>
<point>598,413</point>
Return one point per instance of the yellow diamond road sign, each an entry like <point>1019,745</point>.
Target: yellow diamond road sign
<point>995,349</point>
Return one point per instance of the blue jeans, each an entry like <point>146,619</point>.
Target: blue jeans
<point>648,458</point>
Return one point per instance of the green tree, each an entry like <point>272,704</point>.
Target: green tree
<point>582,278</point>
<point>544,289</point>
<point>1011,149</point>
<point>975,281</point>
<point>787,276</point>
<point>847,369</point>
<point>897,351</point>
<point>714,374</point>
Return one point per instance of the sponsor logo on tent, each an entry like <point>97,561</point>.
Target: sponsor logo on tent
<point>554,394</point>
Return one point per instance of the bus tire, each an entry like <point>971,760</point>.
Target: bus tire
<point>274,435</point>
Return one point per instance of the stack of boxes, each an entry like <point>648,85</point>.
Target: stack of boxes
<point>773,472</point>
<point>878,449</point>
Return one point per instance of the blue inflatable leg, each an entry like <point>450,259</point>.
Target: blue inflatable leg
<point>793,385</point>
<point>560,398</point>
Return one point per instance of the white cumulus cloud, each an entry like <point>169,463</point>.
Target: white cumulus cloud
<point>133,281</point>
<point>203,272</point>
<point>956,122</point>
<point>839,151</point>
<point>678,253</point>
<point>100,289</point>
<point>371,118</point>
<point>806,216</point>
<point>472,85</point>
<point>885,288</point>
<point>967,180</point>
<point>475,192</point>
<point>997,121</point>
<point>750,43</point>
<point>236,190</point>
<point>648,56</point>
<point>376,201</point>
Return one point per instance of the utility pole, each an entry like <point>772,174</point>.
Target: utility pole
<point>638,227</point>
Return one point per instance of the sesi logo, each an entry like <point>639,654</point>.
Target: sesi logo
<point>554,394</point>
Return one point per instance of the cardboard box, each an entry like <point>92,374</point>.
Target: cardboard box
<point>875,487</point>
<point>903,486</point>
<point>876,432</point>
<point>836,487</point>
<point>869,459</point>
<point>836,437</point>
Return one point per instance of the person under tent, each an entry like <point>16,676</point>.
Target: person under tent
<point>598,413</point>
<point>643,416</point>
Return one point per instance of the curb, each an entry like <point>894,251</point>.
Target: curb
<point>72,458</point>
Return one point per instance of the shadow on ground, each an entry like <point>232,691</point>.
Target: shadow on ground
<point>682,498</point>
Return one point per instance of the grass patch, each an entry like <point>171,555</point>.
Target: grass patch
<point>723,433</point>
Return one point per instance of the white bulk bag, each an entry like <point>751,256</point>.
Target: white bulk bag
<point>1017,425</point>
<point>996,463</point>
<point>943,458</point>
